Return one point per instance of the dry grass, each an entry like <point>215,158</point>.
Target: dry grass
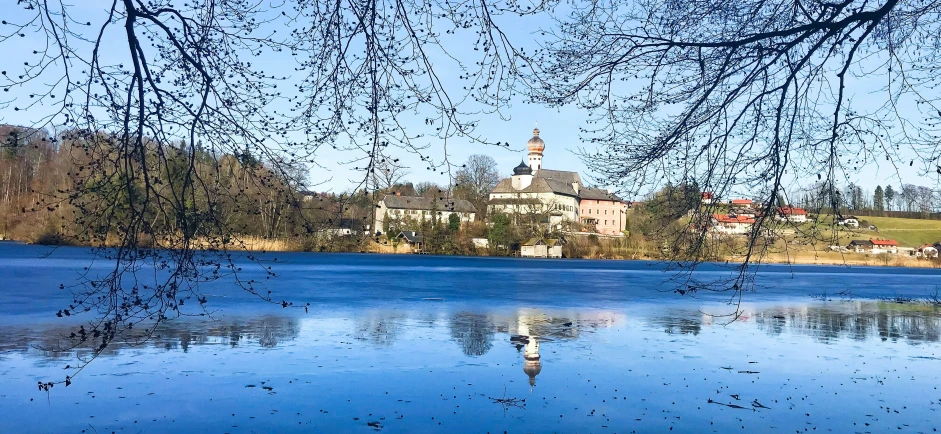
<point>837,258</point>
<point>400,248</point>
<point>257,244</point>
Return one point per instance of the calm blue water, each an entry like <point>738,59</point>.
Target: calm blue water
<point>444,344</point>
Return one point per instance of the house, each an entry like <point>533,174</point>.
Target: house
<point>541,248</point>
<point>926,251</point>
<point>307,195</point>
<point>534,248</point>
<point>742,211</point>
<point>849,221</point>
<point>602,209</point>
<point>874,246</point>
<point>860,246</point>
<point>741,202</point>
<point>731,224</point>
<point>708,197</point>
<point>793,215</point>
<point>555,247</point>
<point>885,246</point>
<point>413,239</point>
<point>337,232</point>
<point>398,207</point>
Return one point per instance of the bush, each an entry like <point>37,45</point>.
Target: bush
<point>52,238</point>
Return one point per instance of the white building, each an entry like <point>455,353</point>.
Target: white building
<point>793,215</point>
<point>850,222</point>
<point>419,208</point>
<point>731,224</point>
<point>557,194</point>
<point>542,192</point>
<point>541,248</point>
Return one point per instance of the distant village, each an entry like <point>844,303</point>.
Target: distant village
<point>559,206</point>
<point>742,215</point>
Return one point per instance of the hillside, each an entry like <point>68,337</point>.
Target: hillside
<point>908,232</point>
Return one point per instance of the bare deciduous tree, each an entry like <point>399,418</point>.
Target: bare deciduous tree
<point>268,84</point>
<point>749,95</point>
<point>475,179</point>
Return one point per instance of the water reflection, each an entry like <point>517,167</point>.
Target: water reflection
<point>531,363</point>
<point>476,333</point>
<point>378,328</point>
<point>825,322</point>
<point>51,342</point>
<point>473,332</point>
<point>855,320</point>
<point>529,327</point>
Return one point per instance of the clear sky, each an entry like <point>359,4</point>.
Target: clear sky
<point>559,127</point>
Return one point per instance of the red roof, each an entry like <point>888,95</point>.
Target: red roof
<point>725,218</point>
<point>884,242</point>
<point>741,201</point>
<point>792,211</point>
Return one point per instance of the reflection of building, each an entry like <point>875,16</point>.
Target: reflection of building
<point>529,327</point>
<point>531,365</point>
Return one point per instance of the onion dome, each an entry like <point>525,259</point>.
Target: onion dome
<point>522,169</point>
<point>532,368</point>
<point>536,144</point>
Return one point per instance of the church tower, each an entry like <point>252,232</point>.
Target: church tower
<point>536,146</point>
<point>532,366</point>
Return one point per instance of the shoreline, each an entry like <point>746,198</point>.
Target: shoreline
<point>827,258</point>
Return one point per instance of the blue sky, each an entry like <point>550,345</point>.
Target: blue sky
<point>559,127</point>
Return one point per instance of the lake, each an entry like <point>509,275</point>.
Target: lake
<point>451,344</point>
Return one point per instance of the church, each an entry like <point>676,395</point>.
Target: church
<point>557,193</point>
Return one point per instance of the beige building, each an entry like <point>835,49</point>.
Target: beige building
<point>419,208</point>
<point>541,248</point>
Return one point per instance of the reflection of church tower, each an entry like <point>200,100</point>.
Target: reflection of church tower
<point>531,366</point>
<point>536,146</point>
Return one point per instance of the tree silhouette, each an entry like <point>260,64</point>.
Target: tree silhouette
<point>153,97</point>
<point>749,95</point>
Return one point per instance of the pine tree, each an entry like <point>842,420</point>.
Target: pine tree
<point>889,197</point>
<point>878,199</point>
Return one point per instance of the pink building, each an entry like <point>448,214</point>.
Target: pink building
<point>605,211</point>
